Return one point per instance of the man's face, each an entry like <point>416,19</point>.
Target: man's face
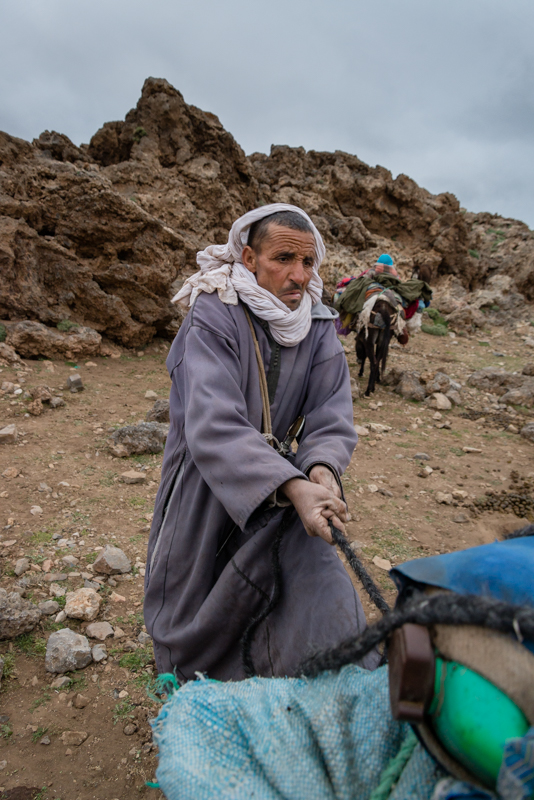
<point>284,264</point>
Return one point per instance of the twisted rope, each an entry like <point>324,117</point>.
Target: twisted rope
<point>444,609</point>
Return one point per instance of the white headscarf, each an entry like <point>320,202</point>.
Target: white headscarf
<point>221,269</point>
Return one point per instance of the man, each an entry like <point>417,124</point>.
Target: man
<point>211,567</point>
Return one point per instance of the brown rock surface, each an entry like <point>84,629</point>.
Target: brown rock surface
<point>104,234</point>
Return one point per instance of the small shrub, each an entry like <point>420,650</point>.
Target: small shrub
<point>30,645</point>
<point>435,330</point>
<point>137,660</point>
<point>436,317</point>
<point>6,731</point>
<point>38,734</point>
<point>138,134</point>
<point>3,333</point>
<point>474,253</point>
<point>123,710</point>
<point>66,325</point>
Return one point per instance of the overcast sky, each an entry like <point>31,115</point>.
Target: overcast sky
<point>442,90</point>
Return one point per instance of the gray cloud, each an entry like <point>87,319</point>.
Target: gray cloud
<point>441,91</point>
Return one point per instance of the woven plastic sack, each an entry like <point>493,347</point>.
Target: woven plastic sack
<point>292,739</point>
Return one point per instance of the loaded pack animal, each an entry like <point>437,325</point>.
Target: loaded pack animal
<point>377,305</point>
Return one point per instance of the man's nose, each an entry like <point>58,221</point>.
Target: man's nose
<point>298,272</point>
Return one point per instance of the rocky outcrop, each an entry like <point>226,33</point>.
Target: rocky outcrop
<point>103,234</point>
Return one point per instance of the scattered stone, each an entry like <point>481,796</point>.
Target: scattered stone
<point>3,765</point>
<point>471,449</point>
<point>421,457</point>
<point>440,401</point>
<point>512,429</point>
<point>361,431</point>
<point>99,653</point>
<point>99,630</point>
<point>10,472</point>
<point>372,487</point>
<point>119,633</point>
<point>51,577</point>
<point>437,416</point>
<point>460,494</point>
<point>144,638</point>
<point>83,604</point>
<point>61,617</point>
<point>461,518</point>
<point>160,411</point>
<point>444,497</point>
<point>426,472</point>
<point>74,384</point>
<point>147,437</point>
<point>133,477</point>
<point>112,561</point>
<point>129,729</point>
<point>56,590</point>
<point>7,387</point>
<point>17,615</point>
<point>377,427</point>
<point>528,431</point>
<point>80,701</point>
<point>36,511</point>
<point>382,563</point>
<point>122,694</point>
<point>57,402</point>
<point>455,397</point>
<point>528,370</point>
<point>74,738</point>
<point>67,651</point>
<point>90,364</point>
<point>8,435</point>
<point>22,565</point>
<point>117,598</point>
<point>151,395</point>
<point>70,561</point>
<point>45,740</point>
<point>385,492</point>
<point>48,607</point>
<point>44,487</point>
<point>61,683</point>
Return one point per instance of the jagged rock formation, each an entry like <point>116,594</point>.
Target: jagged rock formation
<point>103,234</point>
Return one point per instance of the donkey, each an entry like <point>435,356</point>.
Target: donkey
<point>373,342</point>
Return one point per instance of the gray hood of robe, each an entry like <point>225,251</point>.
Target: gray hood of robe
<point>320,311</point>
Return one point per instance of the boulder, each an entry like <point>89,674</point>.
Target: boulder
<point>455,397</point>
<point>160,411</point>
<point>8,354</point>
<point>31,339</point>
<point>528,370</point>
<point>439,383</point>
<point>112,561</point>
<point>83,604</point>
<point>466,318</point>
<point>67,651</point>
<point>522,396</point>
<point>496,381</point>
<point>16,615</point>
<point>410,387</point>
<point>527,431</point>
<point>147,437</point>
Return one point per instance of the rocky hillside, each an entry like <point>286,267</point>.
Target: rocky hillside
<point>103,234</point>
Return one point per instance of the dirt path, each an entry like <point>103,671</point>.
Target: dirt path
<point>395,517</point>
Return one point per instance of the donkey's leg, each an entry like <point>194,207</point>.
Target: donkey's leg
<point>370,343</point>
<point>360,351</point>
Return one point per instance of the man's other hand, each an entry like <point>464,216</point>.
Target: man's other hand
<point>315,505</point>
<point>324,476</point>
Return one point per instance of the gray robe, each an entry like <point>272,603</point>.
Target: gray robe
<point>209,565</point>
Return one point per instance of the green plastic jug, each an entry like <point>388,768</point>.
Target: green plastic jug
<point>472,718</point>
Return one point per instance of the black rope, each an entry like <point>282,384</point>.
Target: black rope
<point>359,570</point>
<point>248,636</point>
<point>444,609</point>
